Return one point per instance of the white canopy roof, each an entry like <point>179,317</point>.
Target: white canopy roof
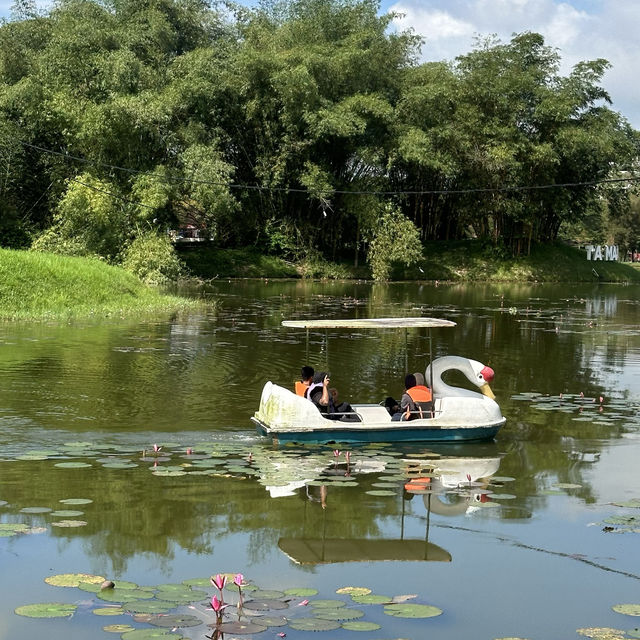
<point>369,323</point>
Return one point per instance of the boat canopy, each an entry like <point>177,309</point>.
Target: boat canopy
<point>369,323</point>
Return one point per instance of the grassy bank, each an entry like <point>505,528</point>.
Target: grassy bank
<point>445,261</point>
<point>42,286</point>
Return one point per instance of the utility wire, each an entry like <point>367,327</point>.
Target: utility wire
<point>249,187</point>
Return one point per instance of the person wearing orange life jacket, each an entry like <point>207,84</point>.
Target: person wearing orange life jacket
<point>422,398</point>
<point>416,402</point>
<point>306,376</point>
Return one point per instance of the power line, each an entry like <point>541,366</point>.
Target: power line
<point>249,187</point>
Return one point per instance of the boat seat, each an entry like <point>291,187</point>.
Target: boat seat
<point>372,413</point>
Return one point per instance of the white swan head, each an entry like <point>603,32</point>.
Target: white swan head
<point>477,373</point>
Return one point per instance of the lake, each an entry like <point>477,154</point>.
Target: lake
<point>534,535</point>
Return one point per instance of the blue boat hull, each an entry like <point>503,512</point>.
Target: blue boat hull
<point>396,433</point>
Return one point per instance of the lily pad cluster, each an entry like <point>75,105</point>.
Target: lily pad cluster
<point>627,521</point>
<point>160,611</point>
<point>593,409</point>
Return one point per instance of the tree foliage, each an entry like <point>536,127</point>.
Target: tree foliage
<point>265,126</point>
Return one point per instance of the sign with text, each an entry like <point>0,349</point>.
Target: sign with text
<point>600,252</point>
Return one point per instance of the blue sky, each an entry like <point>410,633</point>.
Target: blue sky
<point>579,29</point>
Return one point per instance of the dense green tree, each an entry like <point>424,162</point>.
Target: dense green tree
<point>286,126</point>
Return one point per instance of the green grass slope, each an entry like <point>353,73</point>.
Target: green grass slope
<point>464,261</point>
<point>474,261</point>
<point>42,286</point>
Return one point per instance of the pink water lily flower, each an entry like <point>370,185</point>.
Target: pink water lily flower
<point>219,581</point>
<point>238,579</point>
<point>304,603</point>
<point>336,452</point>
<point>156,448</point>
<point>347,455</point>
<point>217,605</point>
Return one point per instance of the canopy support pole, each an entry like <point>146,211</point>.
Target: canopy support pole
<point>426,539</point>
<point>406,350</point>
<point>430,361</point>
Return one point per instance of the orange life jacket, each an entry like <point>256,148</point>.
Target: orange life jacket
<point>301,387</point>
<point>422,399</point>
<point>420,393</point>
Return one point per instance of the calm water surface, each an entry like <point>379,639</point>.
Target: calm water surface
<point>533,547</point>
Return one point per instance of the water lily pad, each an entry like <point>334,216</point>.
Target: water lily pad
<point>627,609</point>
<point>3,503</point>
<point>118,628</point>
<point>621,520</point>
<point>73,579</point>
<point>502,496</point>
<point>360,625</point>
<point>338,614</point>
<point>371,599</point>
<point>15,527</point>
<point>148,606</point>
<point>631,504</point>
<point>175,587</point>
<point>119,465</point>
<point>266,594</point>
<point>180,597</point>
<point>175,620</point>
<point>354,591</point>
<point>265,605</point>
<point>197,582</point>
<point>66,513</point>
<point>124,595</point>
<point>46,610</point>
<point>72,465</point>
<point>149,634</point>
<point>76,501</point>
<point>169,474</point>
<point>567,485</point>
<point>412,611</point>
<point>303,592</point>
<point>69,524</point>
<point>241,628</point>
<point>35,510</point>
<point>602,633</point>
<point>327,604</point>
<point>313,624</point>
<point>502,479</point>
<point>381,492</point>
<point>125,584</point>
<point>273,621</point>
<point>108,611</point>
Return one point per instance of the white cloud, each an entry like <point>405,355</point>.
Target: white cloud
<point>608,29</point>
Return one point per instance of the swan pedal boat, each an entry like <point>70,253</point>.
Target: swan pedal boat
<point>459,414</point>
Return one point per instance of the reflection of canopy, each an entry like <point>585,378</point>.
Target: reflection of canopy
<point>369,323</point>
<point>318,551</point>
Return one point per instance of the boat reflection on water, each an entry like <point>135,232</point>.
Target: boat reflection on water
<point>459,485</point>
<point>452,487</point>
